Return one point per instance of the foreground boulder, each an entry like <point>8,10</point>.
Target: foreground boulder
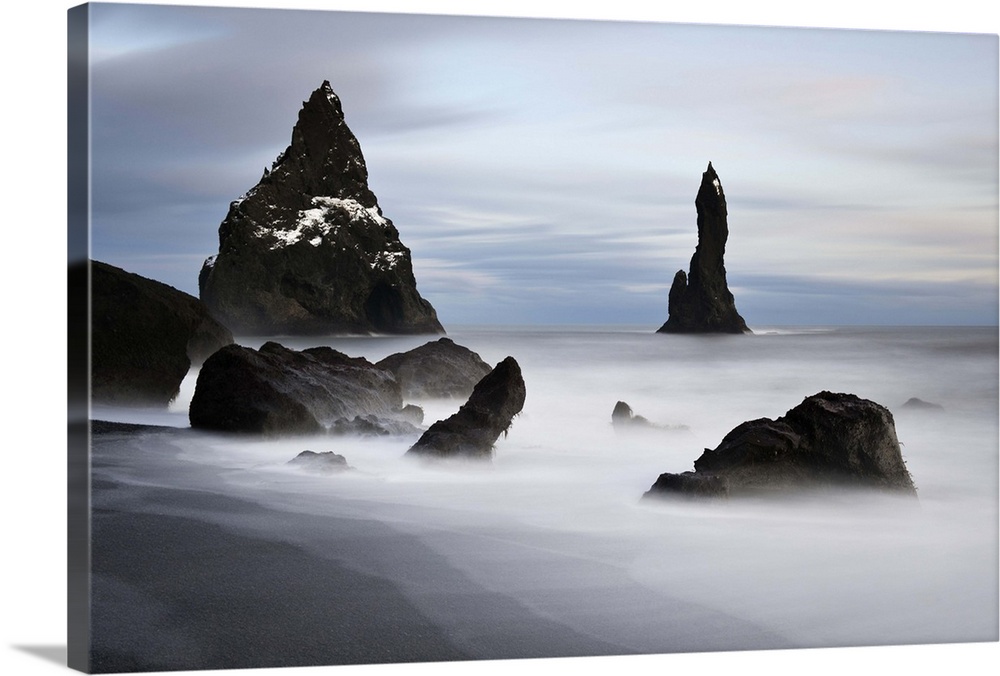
<point>145,336</point>
<point>829,440</point>
<point>276,390</point>
<point>307,250</point>
<point>700,301</point>
<point>440,369</point>
<point>473,430</point>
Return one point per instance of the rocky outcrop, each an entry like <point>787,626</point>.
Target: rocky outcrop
<point>700,301</point>
<point>278,391</point>
<point>829,440</point>
<point>439,369</point>
<point>473,430</point>
<point>145,336</point>
<point>307,250</point>
<point>326,462</point>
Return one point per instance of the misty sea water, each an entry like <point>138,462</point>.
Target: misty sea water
<point>556,523</point>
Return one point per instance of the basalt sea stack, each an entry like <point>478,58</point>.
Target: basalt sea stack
<point>307,250</point>
<point>700,301</point>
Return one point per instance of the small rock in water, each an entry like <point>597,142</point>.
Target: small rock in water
<point>921,405</point>
<point>326,461</point>
<point>623,419</point>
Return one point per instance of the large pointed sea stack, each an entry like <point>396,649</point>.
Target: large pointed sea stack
<point>307,250</point>
<point>700,301</point>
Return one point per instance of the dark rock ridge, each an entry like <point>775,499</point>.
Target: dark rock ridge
<point>439,369</point>
<point>307,250</point>
<point>473,430</point>
<point>145,336</point>
<point>326,461</point>
<point>278,391</point>
<point>829,440</point>
<point>700,301</point>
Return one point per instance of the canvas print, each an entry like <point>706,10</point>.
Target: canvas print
<point>421,338</point>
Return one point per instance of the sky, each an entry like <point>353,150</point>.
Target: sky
<point>544,171</point>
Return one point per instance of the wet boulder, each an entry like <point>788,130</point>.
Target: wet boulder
<point>439,369</point>
<point>278,391</point>
<point>830,440</point>
<point>474,429</point>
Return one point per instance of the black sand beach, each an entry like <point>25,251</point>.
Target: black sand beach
<point>186,577</point>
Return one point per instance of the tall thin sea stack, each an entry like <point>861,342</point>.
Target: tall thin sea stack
<point>307,250</point>
<point>700,301</point>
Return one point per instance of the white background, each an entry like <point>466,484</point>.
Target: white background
<point>33,359</point>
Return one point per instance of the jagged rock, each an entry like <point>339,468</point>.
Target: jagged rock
<point>473,430</point>
<point>916,404</point>
<point>276,390</point>
<point>700,301</point>
<point>829,440</point>
<point>326,461</point>
<point>145,336</point>
<point>307,250</point>
<point>438,369</point>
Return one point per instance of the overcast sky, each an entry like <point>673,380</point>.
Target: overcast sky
<point>545,171</point>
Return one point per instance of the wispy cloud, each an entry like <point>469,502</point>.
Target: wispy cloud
<point>542,169</point>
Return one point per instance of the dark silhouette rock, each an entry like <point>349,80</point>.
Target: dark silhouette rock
<point>278,391</point>
<point>622,417</point>
<point>915,404</point>
<point>473,430</point>
<point>700,301</point>
<point>438,369</point>
<point>829,440</point>
<point>624,420</point>
<point>145,336</point>
<point>307,250</point>
<point>327,461</point>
